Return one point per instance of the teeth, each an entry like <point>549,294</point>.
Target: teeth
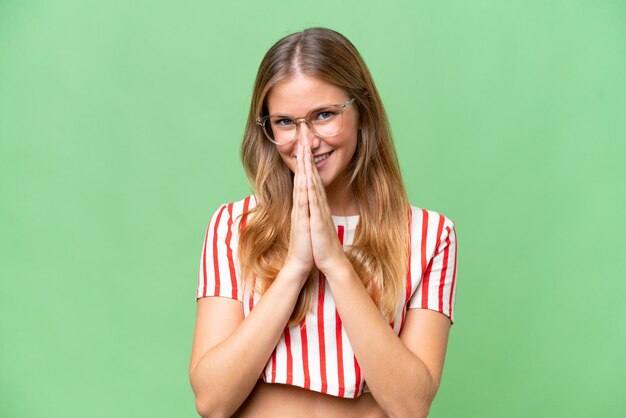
<point>321,157</point>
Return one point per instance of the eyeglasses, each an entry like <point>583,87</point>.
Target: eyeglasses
<point>324,121</point>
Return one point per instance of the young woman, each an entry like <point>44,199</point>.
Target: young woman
<point>337,296</point>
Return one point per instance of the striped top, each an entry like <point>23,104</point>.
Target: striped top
<point>316,354</point>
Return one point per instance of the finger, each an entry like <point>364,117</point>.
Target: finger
<point>296,183</point>
<point>320,191</point>
<point>301,160</point>
<point>314,172</point>
<point>297,193</point>
<point>302,186</point>
<point>317,196</point>
<point>310,177</point>
<point>316,216</point>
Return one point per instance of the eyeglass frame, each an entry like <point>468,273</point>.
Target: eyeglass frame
<point>342,108</point>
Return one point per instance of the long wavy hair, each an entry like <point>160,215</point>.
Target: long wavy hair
<point>379,252</point>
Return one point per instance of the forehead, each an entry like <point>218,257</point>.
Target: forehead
<point>299,94</point>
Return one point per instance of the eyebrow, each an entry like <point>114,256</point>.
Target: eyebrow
<point>312,110</point>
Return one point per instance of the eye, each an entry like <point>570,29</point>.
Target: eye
<point>282,122</point>
<point>325,115</point>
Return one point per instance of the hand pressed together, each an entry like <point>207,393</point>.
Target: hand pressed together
<point>313,239</point>
<point>300,253</point>
<point>327,250</point>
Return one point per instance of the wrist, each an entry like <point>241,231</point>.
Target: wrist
<point>296,272</point>
<point>341,269</point>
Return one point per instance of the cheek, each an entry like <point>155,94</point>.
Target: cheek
<point>285,153</point>
<point>350,143</point>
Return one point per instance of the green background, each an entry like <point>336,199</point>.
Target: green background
<point>120,125</point>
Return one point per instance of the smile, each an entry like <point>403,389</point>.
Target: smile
<point>322,157</point>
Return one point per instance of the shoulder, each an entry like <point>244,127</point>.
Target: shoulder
<point>428,223</point>
<point>421,214</point>
<point>235,209</point>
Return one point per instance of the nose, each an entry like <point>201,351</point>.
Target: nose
<point>305,135</point>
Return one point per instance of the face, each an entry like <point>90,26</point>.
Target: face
<point>297,96</point>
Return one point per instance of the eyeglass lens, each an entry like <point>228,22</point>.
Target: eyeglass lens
<point>324,122</point>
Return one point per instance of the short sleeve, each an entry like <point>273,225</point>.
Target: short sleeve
<point>437,287</point>
<point>219,273</point>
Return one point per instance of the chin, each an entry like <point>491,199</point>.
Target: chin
<point>327,180</point>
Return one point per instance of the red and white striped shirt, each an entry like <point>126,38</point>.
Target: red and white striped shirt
<point>316,354</point>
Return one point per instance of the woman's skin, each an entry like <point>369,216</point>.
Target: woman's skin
<point>275,400</point>
<point>299,94</point>
<point>403,372</point>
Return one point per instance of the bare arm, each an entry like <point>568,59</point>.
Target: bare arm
<point>405,383</point>
<point>229,353</point>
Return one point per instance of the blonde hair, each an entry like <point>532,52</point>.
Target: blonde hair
<point>379,252</point>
